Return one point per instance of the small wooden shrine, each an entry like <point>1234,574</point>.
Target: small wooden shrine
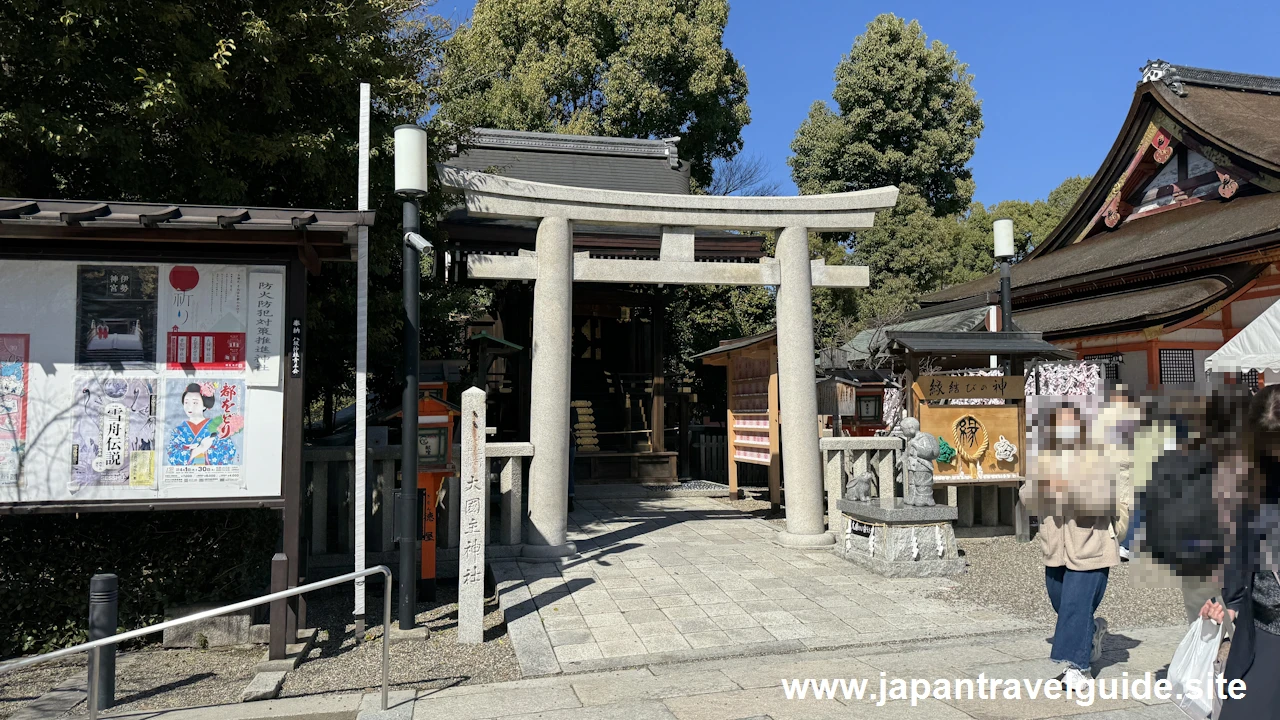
<point>751,374</point>
<point>978,415</point>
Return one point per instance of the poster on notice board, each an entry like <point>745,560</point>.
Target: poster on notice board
<point>204,430</point>
<point>13,404</point>
<point>203,312</point>
<point>114,433</point>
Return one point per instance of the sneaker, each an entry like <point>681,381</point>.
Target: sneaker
<point>1125,554</point>
<point>1099,634</point>
<point>1072,680</point>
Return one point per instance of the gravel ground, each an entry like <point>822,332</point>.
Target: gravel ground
<point>755,502</point>
<point>156,678</point>
<point>19,688</point>
<point>337,664</point>
<point>1009,575</point>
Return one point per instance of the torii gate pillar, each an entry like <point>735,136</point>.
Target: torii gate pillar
<point>554,267</point>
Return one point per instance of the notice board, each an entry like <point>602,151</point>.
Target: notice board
<point>140,381</point>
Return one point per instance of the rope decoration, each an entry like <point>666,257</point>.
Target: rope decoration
<point>946,453</point>
<point>967,427</point>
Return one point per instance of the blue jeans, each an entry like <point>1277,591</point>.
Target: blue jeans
<point>1075,596</point>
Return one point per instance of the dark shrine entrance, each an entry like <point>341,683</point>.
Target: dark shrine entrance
<point>617,382</point>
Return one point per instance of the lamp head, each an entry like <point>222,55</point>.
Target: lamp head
<point>411,160</point>
<point>1003,229</point>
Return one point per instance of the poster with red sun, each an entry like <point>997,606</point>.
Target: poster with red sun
<point>203,310</point>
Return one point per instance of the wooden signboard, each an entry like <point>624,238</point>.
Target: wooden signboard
<point>967,428</point>
<point>935,388</point>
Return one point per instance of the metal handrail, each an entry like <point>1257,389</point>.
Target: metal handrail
<point>93,647</point>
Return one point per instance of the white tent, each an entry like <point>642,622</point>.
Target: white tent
<point>1257,347</point>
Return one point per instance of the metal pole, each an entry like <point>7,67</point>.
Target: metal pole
<point>195,617</point>
<point>386,636</point>
<point>95,654</point>
<point>362,355</point>
<point>410,513</point>
<point>104,617</point>
<point>1006,302</point>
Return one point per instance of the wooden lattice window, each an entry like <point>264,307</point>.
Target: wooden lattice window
<point>1177,366</point>
<point>1110,363</point>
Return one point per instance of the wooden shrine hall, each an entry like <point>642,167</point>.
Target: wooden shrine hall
<point>1171,250</point>
<point>619,388</point>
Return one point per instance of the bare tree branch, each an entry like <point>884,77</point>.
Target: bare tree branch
<point>742,175</point>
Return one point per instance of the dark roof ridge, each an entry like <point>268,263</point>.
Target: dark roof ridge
<point>1177,77</point>
<point>583,144</point>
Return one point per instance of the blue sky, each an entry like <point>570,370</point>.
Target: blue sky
<point>1055,78</point>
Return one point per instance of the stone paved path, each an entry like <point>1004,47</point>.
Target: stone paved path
<point>750,688</point>
<point>744,688</point>
<point>663,580</point>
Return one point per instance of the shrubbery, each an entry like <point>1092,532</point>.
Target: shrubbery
<point>162,559</point>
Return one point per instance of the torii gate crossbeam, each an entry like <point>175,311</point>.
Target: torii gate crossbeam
<point>554,267</point>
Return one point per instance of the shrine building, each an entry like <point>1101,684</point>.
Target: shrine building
<point>1171,250</point>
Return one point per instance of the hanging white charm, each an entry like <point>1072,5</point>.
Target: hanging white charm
<point>937,536</point>
<point>1005,450</point>
<point>915,546</point>
<point>871,542</point>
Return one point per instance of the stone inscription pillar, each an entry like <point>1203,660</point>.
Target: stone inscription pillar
<point>475,517</point>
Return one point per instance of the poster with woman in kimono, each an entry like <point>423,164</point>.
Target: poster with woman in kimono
<point>204,422</point>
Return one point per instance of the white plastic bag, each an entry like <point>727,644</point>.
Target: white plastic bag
<point>1191,669</point>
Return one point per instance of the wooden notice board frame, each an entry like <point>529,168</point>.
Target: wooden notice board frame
<point>753,427</point>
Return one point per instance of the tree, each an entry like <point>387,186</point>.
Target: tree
<point>245,103</point>
<point>906,114</point>
<point>624,68</point>
<point>742,175</point>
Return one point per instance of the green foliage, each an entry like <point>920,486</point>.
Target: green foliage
<point>252,102</point>
<point>906,114</point>
<point>162,559</point>
<point>624,68</point>
<point>237,103</point>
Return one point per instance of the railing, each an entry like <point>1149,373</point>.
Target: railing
<point>329,504</point>
<point>846,457</point>
<point>94,647</point>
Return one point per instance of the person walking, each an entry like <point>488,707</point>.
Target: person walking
<point>1076,489</point>
<point>1252,576</point>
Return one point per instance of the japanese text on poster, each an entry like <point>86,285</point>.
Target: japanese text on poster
<point>204,427</point>
<point>266,290</point>
<point>114,432</point>
<point>203,310</point>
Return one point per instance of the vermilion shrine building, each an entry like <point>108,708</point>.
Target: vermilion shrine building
<point>1171,250</point>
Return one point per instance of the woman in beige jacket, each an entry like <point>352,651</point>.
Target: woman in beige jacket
<point>1077,486</point>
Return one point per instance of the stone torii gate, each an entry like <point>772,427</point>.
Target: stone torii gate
<point>554,267</point>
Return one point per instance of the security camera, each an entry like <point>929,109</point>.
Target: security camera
<point>418,242</point>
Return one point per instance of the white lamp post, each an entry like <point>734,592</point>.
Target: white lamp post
<point>1004,253</point>
<point>411,184</point>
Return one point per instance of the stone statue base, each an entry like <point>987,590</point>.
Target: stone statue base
<point>902,541</point>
